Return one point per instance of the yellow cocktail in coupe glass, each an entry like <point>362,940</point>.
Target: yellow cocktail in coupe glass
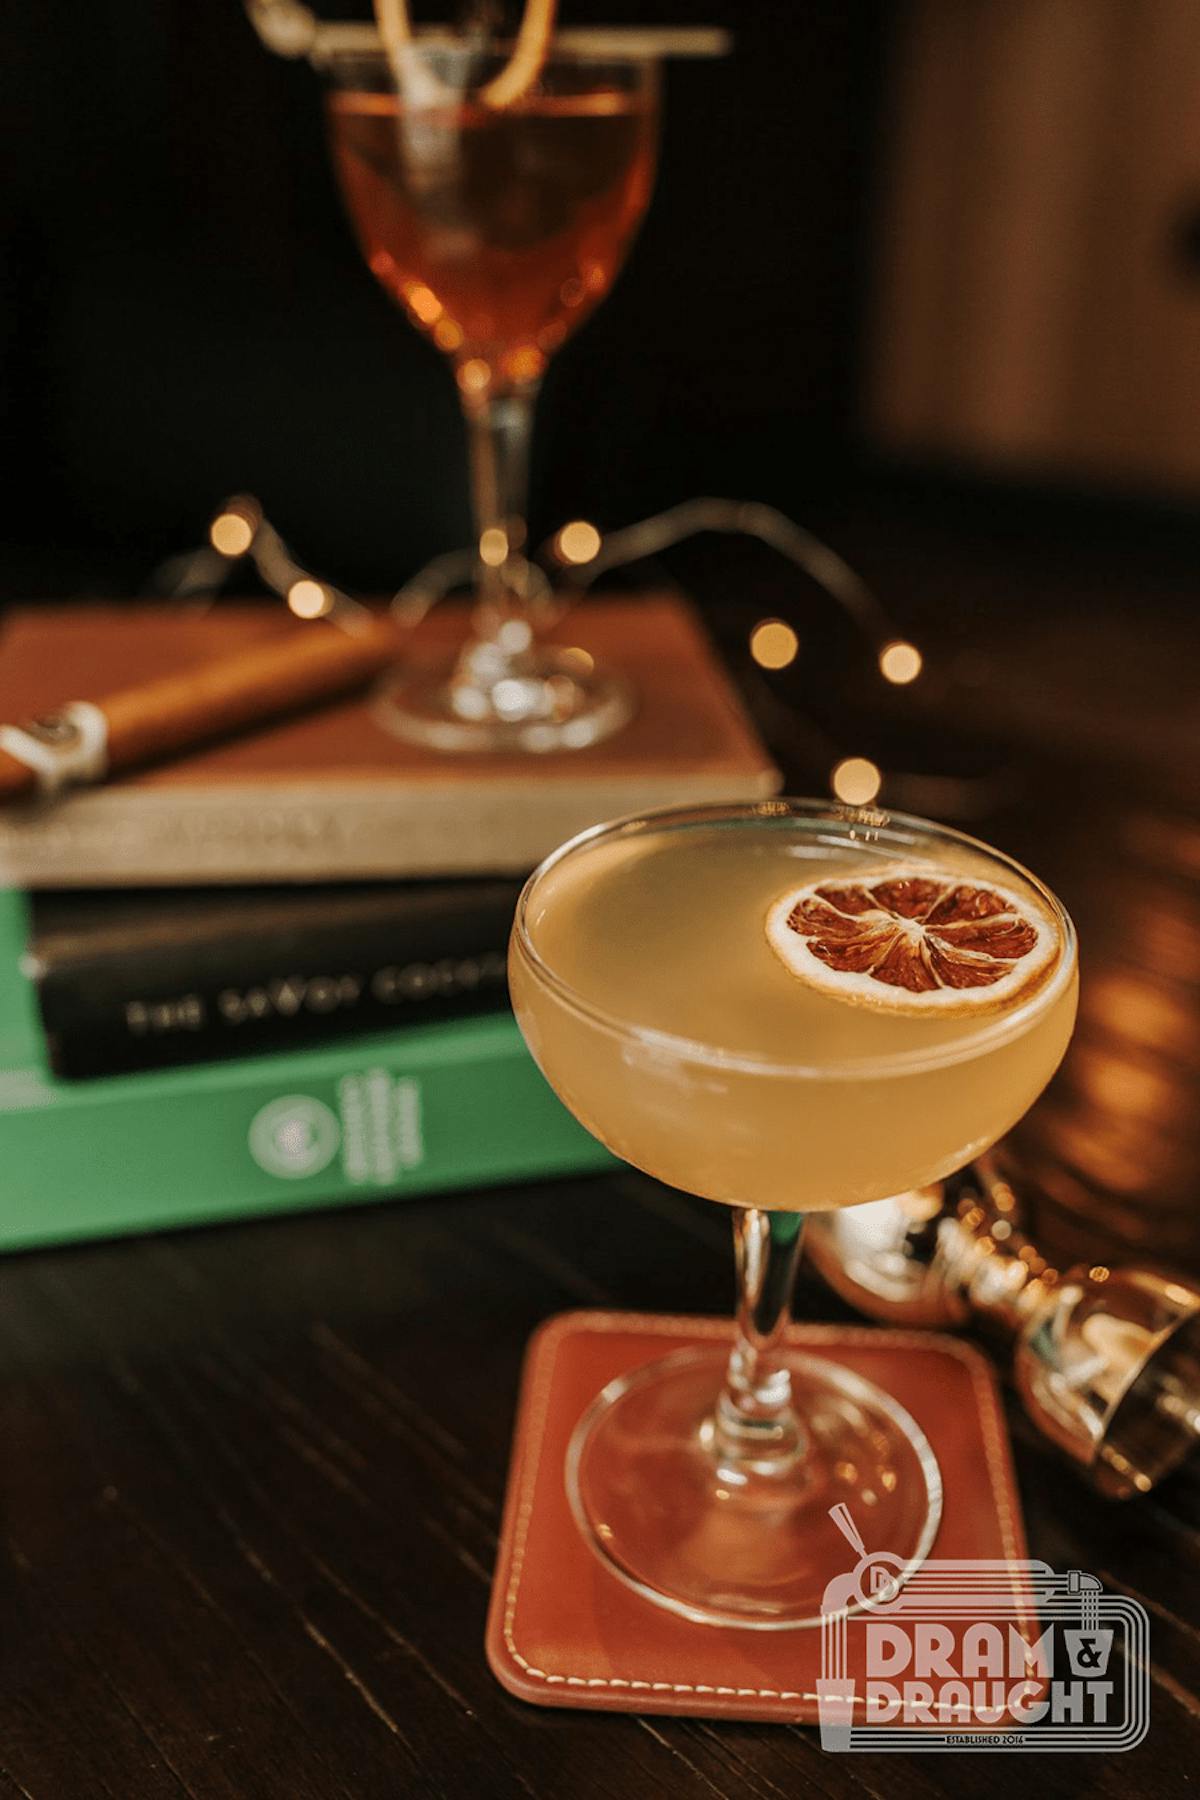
<point>786,1006</point>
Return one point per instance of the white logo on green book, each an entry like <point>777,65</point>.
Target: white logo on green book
<point>294,1136</point>
<point>381,1126</point>
<point>379,1131</point>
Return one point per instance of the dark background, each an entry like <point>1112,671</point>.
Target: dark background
<point>183,311</point>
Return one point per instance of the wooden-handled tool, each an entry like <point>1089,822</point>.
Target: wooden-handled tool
<point>87,740</point>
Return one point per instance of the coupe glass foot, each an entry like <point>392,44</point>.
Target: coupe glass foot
<point>723,1544</point>
<point>553,701</point>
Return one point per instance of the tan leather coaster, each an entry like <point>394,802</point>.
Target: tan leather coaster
<point>562,1631</point>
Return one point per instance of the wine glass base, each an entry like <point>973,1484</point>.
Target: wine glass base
<point>554,703</point>
<point>722,1545</point>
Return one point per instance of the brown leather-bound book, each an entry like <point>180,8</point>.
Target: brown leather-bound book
<point>330,794</point>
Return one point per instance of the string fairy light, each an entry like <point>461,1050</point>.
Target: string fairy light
<point>233,530</point>
<point>580,553</point>
<point>747,518</point>
<point>579,550</point>
<point>493,546</point>
<point>309,599</point>
<point>856,780</point>
<point>900,662</point>
<point>577,543</point>
<point>774,644</point>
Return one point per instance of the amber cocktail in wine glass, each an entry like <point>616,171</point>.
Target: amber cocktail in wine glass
<point>497,227</point>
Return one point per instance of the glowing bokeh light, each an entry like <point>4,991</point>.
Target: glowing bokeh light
<point>423,303</point>
<point>309,599</point>
<point>773,644</point>
<point>510,698</point>
<point>514,636</point>
<point>578,660</point>
<point>578,542</point>
<point>231,533</point>
<point>856,780</point>
<point>474,375</point>
<point>525,363</point>
<point>493,546</point>
<point>900,662</point>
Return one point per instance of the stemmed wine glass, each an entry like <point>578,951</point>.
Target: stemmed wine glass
<point>787,1006</point>
<point>497,228</point>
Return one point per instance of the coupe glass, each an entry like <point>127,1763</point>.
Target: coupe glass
<point>498,230</point>
<point>648,993</point>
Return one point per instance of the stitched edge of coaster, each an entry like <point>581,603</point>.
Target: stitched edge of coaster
<point>663,1325</point>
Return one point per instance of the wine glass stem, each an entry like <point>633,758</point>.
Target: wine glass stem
<point>499,431</point>
<point>755,1423</point>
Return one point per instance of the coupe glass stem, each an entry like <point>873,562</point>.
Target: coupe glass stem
<point>498,438</point>
<point>755,1427</point>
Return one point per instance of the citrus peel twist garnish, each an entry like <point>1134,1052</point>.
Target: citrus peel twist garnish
<point>519,72</point>
<point>914,940</point>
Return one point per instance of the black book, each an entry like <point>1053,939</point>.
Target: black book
<point>138,979</point>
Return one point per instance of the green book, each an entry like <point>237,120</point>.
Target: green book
<point>431,1107</point>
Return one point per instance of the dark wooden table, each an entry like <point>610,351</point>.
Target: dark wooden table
<point>252,1476</point>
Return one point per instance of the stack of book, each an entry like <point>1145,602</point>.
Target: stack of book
<point>271,974</point>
